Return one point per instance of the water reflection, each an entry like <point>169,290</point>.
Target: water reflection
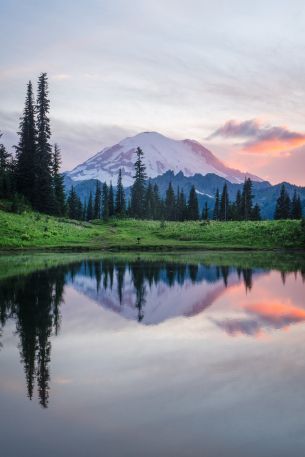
<point>149,292</point>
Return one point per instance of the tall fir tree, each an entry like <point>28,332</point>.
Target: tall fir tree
<point>205,212</point>
<point>256,213</point>
<point>111,201</point>
<point>26,151</point>
<point>6,176</point>
<point>246,200</point>
<point>282,208</point>
<point>224,204</point>
<point>72,204</point>
<point>149,202</point>
<point>105,202</point>
<point>120,200</point>
<point>84,212</point>
<point>97,201</point>
<point>79,209</point>
<point>170,203</point>
<point>58,183</point>
<point>192,207</point>
<point>181,206</point>
<point>138,188</point>
<point>296,207</point>
<point>157,202</point>
<point>216,206</point>
<point>44,196</point>
<point>238,206</point>
<point>90,208</point>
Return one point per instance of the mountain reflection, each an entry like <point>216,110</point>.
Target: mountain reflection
<point>147,291</point>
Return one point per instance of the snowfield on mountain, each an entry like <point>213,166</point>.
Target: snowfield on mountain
<point>160,155</point>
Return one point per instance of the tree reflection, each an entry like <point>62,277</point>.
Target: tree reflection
<point>34,301</point>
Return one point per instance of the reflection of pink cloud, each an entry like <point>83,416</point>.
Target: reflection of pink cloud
<point>277,313</point>
<point>270,315</point>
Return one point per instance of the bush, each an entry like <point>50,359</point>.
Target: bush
<point>303,229</point>
<point>162,224</point>
<point>19,204</point>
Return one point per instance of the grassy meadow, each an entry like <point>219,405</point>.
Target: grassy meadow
<point>32,230</point>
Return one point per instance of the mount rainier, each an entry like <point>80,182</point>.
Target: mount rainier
<point>161,154</point>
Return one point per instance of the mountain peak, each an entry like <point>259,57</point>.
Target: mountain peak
<point>161,154</point>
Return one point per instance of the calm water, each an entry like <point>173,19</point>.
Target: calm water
<point>136,356</point>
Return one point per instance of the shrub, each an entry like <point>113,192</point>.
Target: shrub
<point>303,229</point>
<point>19,204</point>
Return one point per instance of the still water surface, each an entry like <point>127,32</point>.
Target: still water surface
<point>141,356</point>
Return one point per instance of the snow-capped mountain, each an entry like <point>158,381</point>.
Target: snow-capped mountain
<point>160,155</point>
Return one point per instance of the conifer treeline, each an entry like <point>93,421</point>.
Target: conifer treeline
<point>287,208</point>
<point>34,174</point>
<point>242,209</point>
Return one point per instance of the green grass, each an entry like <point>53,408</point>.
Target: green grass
<point>35,231</point>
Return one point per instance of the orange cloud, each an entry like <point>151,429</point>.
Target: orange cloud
<point>257,137</point>
<point>274,145</point>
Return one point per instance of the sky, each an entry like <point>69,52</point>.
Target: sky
<point>229,74</point>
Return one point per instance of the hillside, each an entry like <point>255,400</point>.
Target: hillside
<point>35,231</point>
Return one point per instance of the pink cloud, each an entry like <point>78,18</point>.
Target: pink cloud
<point>257,137</point>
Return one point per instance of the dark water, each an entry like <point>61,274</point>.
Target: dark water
<point>151,356</point>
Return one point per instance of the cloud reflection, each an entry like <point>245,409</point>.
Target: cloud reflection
<point>263,318</point>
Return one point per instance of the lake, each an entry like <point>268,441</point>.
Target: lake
<point>152,355</point>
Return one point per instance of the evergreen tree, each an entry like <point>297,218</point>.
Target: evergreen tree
<point>224,204</point>
<point>170,203</point>
<point>79,209</point>
<point>157,203</point>
<point>72,204</point>
<point>296,207</point>
<point>97,201</point>
<point>58,183</point>
<point>138,188</point>
<point>238,206</point>
<point>282,208</point>
<point>26,151</point>
<point>44,197</point>
<point>205,212</point>
<point>193,209</point>
<point>90,208</point>
<point>105,202</point>
<point>246,200</point>
<point>111,200</point>
<point>84,212</point>
<point>120,201</point>
<point>256,213</point>
<point>216,206</point>
<point>181,206</point>
<point>128,210</point>
<point>149,202</point>
<point>6,176</point>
